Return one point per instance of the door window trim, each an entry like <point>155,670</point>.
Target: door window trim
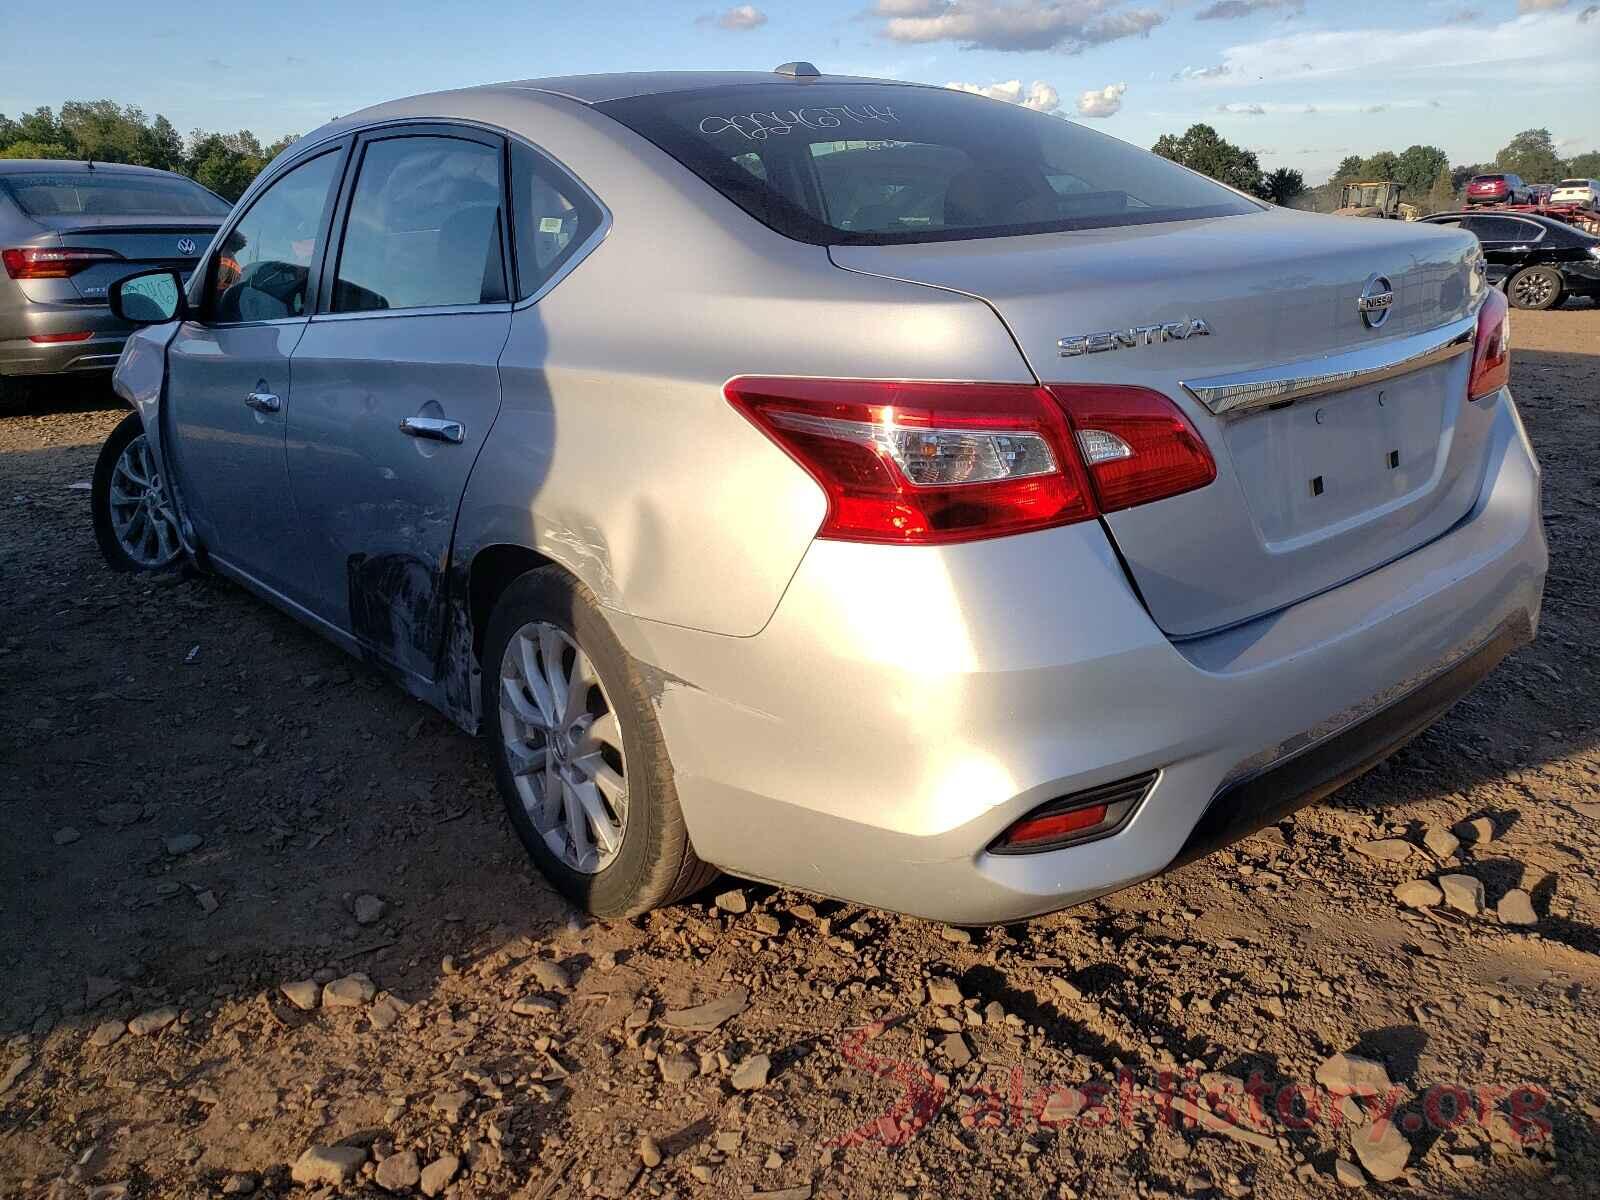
<point>584,248</point>
<point>489,136</point>
<point>202,278</point>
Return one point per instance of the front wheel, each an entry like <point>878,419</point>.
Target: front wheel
<point>578,752</point>
<point>1535,288</point>
<point>133,517</point>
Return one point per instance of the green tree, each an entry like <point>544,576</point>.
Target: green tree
<point>1202,149</point>
<point>161,146</point>
<point>1441,196</point>
<point>1282,186</point>
<point>1584,166</point>
<point>37,150</point>
<point>1383,165</point>
<point>100,130</point>
<point>1532,155</point>
<point>225,162</point>
<point>1350,169</point>
<point>1419,168</point>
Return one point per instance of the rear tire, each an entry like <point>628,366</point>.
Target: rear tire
<point>133,518</point>
<point>1535,288</point>
<point>587,785</point>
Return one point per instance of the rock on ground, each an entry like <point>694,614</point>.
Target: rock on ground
<point>398,1172</point>
<point>352,991</point>
<point>155,1019</point>
<point>1440,841</point>
<point>752,1073</point>
<point>1418,893</point>
<point>1387,849</point>
<point>369,910</point>
<point>106,1033</point>
<point>1353,1075</point>
<point>332,1165</point>
<point>1516,908</point>
<point>1464,893</point>
<point>1348,1174</point>
<point>436,1176</point>
<point>1382,1150</point>
<point>304,994</point>
<point>649,1151</point>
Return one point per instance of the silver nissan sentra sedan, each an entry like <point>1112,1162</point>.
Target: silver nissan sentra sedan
<point>866,487</point>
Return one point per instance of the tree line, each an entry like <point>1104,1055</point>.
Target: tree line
<point>1430,181</point>
<point>104,131</point>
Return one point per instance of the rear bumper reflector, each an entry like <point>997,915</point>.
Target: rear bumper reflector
<point>1074,819</point>
<point>50,339</point>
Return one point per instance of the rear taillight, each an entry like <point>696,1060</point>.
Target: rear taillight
<point>922,462</point>
<point>1491,350</point>
<point>52,262</point>
<point>1137,444</point>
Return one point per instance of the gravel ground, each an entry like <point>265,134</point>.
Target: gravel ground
<point>264,929</point>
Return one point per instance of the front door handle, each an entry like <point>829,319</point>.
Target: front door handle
<point>435,429</point>
<point>263,402</point>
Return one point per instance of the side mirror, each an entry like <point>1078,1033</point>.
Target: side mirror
<point>149,298</point>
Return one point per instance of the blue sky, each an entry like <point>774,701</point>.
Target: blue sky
<point>1302,82</point>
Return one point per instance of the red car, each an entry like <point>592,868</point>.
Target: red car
<point>1498,189</point>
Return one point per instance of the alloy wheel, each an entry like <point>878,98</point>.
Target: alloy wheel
<point>563,745</point>
<point>141,517</point>
<point>1533,289</point>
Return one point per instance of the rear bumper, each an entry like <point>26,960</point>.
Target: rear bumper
<point>19,355</point>
<point>904,706</point>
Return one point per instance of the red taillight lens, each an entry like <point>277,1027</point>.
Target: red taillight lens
<point>1137,444</point>
<point>919,463</point>
<point>50,339</point>
<point>1491,351</point>
<point>924,462</point>
<point>52,262</point>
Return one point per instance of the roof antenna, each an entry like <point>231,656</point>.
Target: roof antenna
<point>796,70</point>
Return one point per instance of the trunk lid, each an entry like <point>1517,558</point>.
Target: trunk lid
<point>1310,492</point>
<point>176,243</point>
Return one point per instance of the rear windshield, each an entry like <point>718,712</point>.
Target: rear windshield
<point>110,194</point>
<point>1488,179</point>
<point>875,163</point>
<point>1577,183</point>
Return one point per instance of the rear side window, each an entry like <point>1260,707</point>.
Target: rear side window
<point>110,194</point>
<point>878,164</point>
<point>424,227</point>
<point>552,215</point>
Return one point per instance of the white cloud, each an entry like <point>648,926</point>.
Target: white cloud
<point>1556,48</point>
<point>1069,26</point>
<point>1528,6</point>
<point>1242,110</point>
<point>740,18</point>
<point>1233,10</point>
<point>1040,97</point>
<point>1188,73</point>
<point>1106,102</point>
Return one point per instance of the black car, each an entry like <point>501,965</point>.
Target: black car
<point>1538,260</point>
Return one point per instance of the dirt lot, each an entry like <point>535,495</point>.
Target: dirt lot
<point>201,802</point>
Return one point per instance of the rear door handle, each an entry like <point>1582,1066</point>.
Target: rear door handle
<point>263,402</point>
<point>435,429</point>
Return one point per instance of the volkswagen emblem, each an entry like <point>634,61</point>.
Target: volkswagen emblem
<point>186,247</point>
<point>1376,299</point>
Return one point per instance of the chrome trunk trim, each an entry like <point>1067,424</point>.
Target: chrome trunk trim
<point>1267,387</point>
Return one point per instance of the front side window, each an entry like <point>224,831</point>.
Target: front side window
<point>553,218</point>
<point>264,263</point>
<point>844,164</point>
<point>424,227</point>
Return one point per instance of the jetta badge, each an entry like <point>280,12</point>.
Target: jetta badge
<point>1376,301</point>
<point>1136,335</point>
<point>186,246</point>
